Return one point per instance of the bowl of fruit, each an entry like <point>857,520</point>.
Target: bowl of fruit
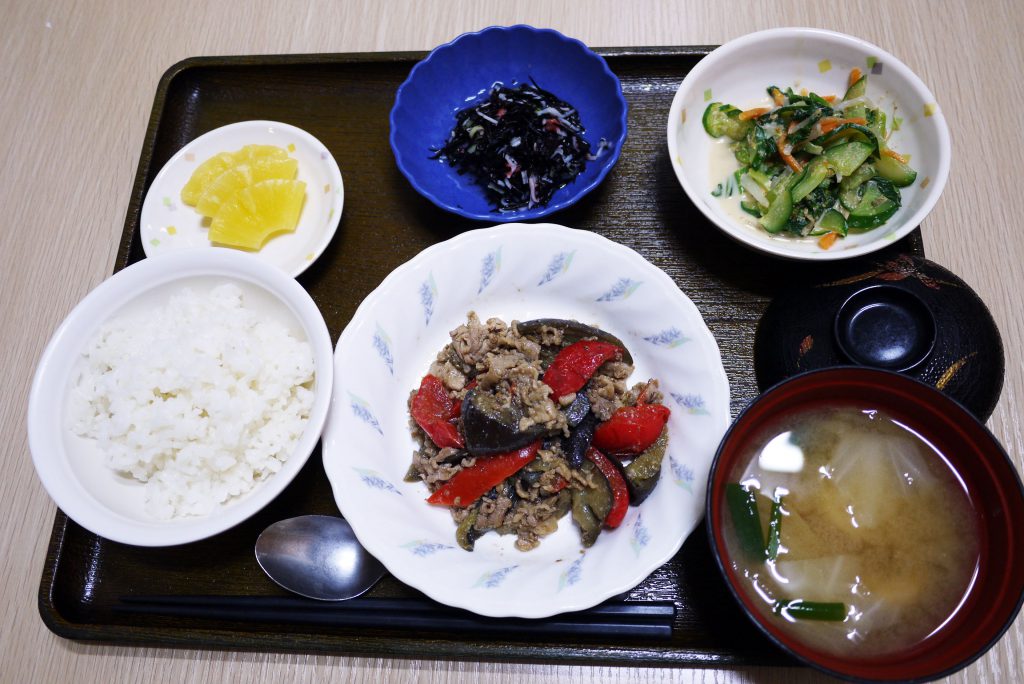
<point>263,187</point>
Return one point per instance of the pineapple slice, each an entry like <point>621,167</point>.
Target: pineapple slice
<point>209,170</point>
<point>241,176</point>
<point>257,212</point>
<point>203,175</point>
<point>257,153</point>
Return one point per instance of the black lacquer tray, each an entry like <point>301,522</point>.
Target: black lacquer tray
<point>344,100</point>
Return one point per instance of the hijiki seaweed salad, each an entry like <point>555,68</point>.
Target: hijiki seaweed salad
<point>812,165</point>
<point>520,144</point>
<point>519,424</point>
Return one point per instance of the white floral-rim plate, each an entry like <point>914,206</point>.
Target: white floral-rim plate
<point>518,271</point>
<point>167,224</point>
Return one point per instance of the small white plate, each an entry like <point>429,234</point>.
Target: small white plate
<point>518,271</point>
<point>167,224</point>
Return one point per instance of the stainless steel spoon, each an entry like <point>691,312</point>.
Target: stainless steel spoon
<point>317,556</point>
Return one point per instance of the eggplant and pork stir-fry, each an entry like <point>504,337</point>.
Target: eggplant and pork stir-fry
<point>520,424</point>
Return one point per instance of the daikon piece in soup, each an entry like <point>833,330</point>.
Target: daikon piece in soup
<point>850,531</point>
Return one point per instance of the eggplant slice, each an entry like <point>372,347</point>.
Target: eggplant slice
<point>642,474</point>
<point>572,331</point>
<point>492,426</point>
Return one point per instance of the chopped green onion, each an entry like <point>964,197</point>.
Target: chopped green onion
<point>745,518</point>
<point>810,610</point>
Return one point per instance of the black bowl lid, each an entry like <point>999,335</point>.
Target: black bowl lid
<point>906,314</point>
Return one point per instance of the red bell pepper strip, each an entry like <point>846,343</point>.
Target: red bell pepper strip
<point>631,429</point>
<point>469,484</point>
<point>433,409</point>
<point>573,366</point>
<point>620,494</point>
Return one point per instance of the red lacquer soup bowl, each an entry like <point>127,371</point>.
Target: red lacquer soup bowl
<point>990,599</point>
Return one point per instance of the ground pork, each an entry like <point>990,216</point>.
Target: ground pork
<point>510,366</point>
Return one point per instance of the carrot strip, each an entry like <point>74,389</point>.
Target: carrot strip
<point>855,75</point>
<point>754,113</point>
<point>827,125</point>
<point>827,240</point>
<point>829,98</point>
<point>791,161</point>
<point>780,99</point>
<point>829,122</point>
<point>895,155</point>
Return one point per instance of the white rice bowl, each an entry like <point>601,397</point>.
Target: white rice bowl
<point>200,399</point>
<point>158,417</point>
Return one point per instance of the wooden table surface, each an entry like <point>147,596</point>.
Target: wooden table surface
<point>79,80</point>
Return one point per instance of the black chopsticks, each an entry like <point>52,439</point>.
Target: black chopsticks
<point>647,619</point>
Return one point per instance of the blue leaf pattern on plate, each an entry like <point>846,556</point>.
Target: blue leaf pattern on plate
<point>362,411</point>
<point>640,536</point>
<point>693,403</point>
<point>428,292</point>
<point>488,268</point>
<point>494,579</point>
<point>571,575</point>
<point>371,478</point>
<point>620,290</point>
<point>682,474</point>
<point>559,265</point>
<point>671,338</point>
<point>382,343</point>
<point>424,548</point>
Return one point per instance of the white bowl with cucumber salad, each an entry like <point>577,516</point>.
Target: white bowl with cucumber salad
<point>848,155</point>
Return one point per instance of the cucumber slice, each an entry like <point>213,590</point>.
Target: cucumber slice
<point>751,208</point>
<point>876,122</point>
<point>869,222</point>
<point>761,179</point>
<point>895,171</point>
<point>879,201</point>
<point>849,198</point>
<point>723,119</point>
<point>849,132</point>
<point>864,173</point>
<point>781,206</point>
<point>847,157</point>
<point>786,112</point>
<point>856,112</point>
<point>815,173</point>
<point>858,89</point>
<point>832,221</point>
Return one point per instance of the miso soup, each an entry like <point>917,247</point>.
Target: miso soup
<point>850,531</point>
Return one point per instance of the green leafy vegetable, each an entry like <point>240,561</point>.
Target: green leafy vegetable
<point>821,168</point>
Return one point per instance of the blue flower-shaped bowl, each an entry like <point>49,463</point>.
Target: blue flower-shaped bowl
<point>455,74</point>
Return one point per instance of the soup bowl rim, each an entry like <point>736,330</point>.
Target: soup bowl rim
<point>761,621</point>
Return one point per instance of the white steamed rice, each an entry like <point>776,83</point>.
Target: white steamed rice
<point>200,399</point>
